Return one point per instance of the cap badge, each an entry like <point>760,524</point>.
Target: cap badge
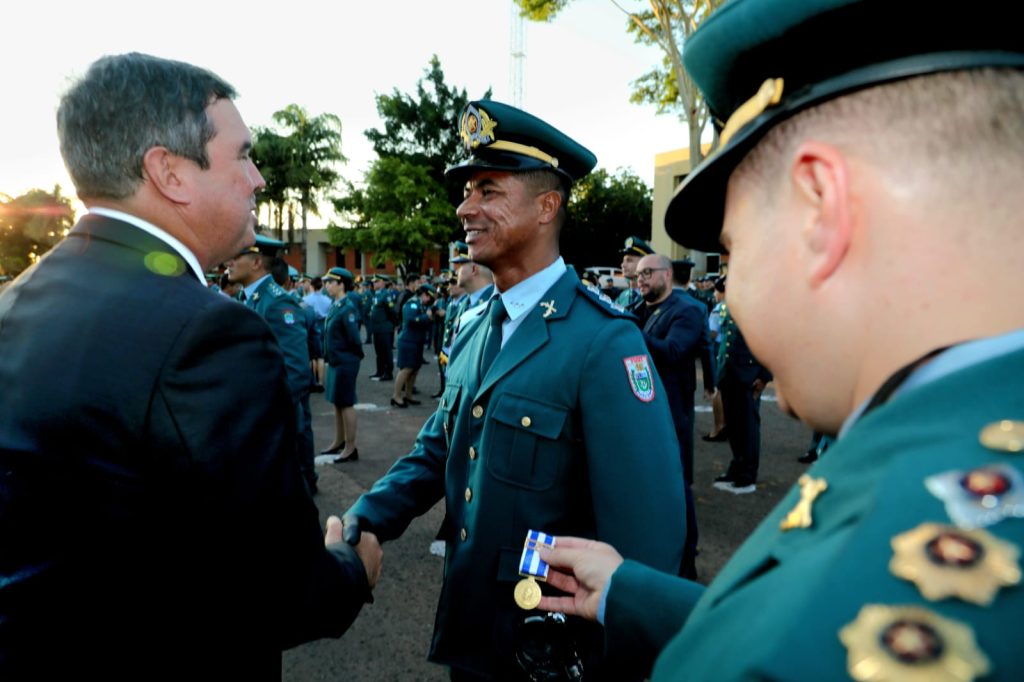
<point>476,128</point>
<point>910,642</point>
<point>947,562</point>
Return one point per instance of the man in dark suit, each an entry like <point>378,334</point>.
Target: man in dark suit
<point>522,438</point>
<point>153,517</point>
<point>675,329</point>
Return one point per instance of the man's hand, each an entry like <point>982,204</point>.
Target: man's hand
<point>366,544</point>
<point>582,568</point>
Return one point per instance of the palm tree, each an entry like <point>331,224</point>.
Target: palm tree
<point>314,145</point>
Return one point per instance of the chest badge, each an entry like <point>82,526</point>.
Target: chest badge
<point>800,515</point>
<point>980,497</point>
<point>944,561</point>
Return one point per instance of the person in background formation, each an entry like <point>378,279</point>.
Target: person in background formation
<point>358,303</point>
<point>383,316</point>
<point>477,282</point>
<point>632,251</point>
<point>317,298</point>
<point>418,317</point>
<point>343,349</point>
<point>261,293</point>
<point>718,433</point>
<point>193,548</point>
<point>229,288</point>
<point>897,557</point>
<point>521,438</point>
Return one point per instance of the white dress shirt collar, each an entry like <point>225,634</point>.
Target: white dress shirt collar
<point>152,229</point>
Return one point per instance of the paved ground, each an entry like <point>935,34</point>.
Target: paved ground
<point>389,640</point>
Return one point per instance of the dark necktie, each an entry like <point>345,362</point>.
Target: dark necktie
<point>496,314</point>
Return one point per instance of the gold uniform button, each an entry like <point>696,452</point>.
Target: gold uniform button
<point>463,534</point>
<point>469,497</point>
<point>472,452</point>
<point>1003,436</point>
<point>478,411</point>
<point>526,421</point>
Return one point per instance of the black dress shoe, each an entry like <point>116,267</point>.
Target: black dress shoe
<point>333,451</point>
<point>385,378</point>
<point>410,401</point>
<point>719,437</point>
<point>352,457</point>
<point>395,403</point>
<point>437,395</point>
<point>316,388</point>
<point>808,457</point>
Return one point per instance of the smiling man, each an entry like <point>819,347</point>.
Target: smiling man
<point>153,518</point>
<point>528,433</point>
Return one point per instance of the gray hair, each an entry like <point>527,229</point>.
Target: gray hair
<point>126,105</point>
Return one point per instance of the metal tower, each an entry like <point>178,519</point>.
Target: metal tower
<point>517,55</point>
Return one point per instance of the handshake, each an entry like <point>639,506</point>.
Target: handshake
<point>366,545</point>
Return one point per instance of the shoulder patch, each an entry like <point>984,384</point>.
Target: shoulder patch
<point>604,303</point>
<point>641,378</point>
<point>289,316</point>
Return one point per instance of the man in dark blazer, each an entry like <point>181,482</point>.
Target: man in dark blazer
<point>675,329</point>
<point>523,437</point>
<point>153,517</point>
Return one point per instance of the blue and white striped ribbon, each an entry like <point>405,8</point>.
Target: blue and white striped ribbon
<point>530,563</point>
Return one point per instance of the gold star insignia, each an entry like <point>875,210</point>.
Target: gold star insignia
<point>911,643</point>
<point>944,561</point>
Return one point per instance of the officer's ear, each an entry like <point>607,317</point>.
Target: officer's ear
<point>549,203</point>
<point>167,173</point>
<point>822,193</point>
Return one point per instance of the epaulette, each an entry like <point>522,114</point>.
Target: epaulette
<point>601,301</point>
<point>276,290</point>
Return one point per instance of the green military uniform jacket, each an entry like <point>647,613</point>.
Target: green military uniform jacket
<point>776,610</point>
<point>384,311</point>
<point>341,332</point>
<point>537,443</point>
<point>287,321</point>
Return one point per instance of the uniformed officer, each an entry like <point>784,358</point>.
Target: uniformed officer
<point>383,317</point>
<point>632,251</point>
<point>417,321</point>
<point>261,293</point>
<point>522,439</point>
<point>477,281</point>
<point>343,350</point>
<point>864,141</point>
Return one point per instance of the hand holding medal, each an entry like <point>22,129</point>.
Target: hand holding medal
<point>527,592</point>
<point>579,567</point>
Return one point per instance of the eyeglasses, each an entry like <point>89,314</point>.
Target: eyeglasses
<point>647,272</point>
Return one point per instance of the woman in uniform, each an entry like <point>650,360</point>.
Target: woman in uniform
<point>343,350</point>
<point>417,321</point>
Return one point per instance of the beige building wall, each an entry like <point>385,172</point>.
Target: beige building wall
<point>670,168</point>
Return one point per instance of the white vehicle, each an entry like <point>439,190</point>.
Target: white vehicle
<point>603,273</point>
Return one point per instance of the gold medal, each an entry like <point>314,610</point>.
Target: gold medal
<point>944,561</point>
<point>1003,436</point>
<point>527,594</point>
<point>800,515</point>
<point>911,643</point>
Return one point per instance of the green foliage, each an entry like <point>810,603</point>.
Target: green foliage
<point>30,225</point>
<point>604,209</point>
<point>403,207</point>
<point>314,145</point>
<point>541,10</point>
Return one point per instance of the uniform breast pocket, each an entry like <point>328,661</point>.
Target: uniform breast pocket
<point>449,406</point>
<point>525,447</point>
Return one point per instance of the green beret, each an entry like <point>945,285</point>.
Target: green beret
<point>759,62</point>
<point>501,137</point>
<point>635,246</point>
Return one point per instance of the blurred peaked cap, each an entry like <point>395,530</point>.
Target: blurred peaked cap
<point>264,245</point>
<point>501,137</point>
<point>426,288</point>
<point>634,246</point>
<point>759,62</point>
<point>681,269</point>
<point>589,276</point>
<point>336,274</point>
<point>458,253</point>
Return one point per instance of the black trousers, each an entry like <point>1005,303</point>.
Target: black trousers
<point>743,415</point>
<point>383,344</point>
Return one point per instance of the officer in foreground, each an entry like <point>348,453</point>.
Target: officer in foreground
<point>522,438</point>
<point>864,142</point>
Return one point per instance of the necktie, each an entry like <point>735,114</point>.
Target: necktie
<point>496,314</point>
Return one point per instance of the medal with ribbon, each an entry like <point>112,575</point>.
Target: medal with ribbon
<point>532,568</point>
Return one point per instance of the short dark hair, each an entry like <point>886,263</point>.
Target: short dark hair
<point>548,181</point>
<point>317,283</point>
<point>124,106</point>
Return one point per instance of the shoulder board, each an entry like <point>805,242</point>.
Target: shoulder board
<point>602,302</point>
<point>275,290</point>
